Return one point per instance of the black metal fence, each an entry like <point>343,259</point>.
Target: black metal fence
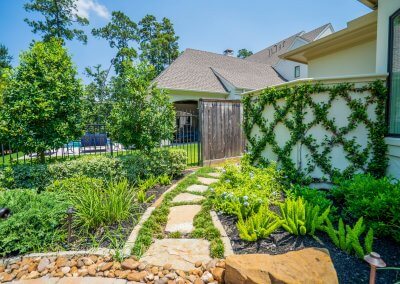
<point>97,141</point>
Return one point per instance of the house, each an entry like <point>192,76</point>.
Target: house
<point>367,49</point>
<point>197,74</point>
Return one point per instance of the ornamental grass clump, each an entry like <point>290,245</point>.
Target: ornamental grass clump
<point>102,207</point>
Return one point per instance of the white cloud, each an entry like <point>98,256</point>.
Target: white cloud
<point>86,7</point>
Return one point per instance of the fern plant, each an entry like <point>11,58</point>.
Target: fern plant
<point>348,239</point>
<point>258,226</point>
<point>300,217</point>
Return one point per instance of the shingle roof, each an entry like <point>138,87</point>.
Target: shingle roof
<point>270,55</point>
<point>312,35</point>
<point>201,71</point>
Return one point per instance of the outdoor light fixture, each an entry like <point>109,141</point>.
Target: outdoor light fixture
<point>5,213</point>
<point>70,212</point>
<point>374,260</point>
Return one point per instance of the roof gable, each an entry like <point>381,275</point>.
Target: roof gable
<point>271,54</point>
<point>198,70</point>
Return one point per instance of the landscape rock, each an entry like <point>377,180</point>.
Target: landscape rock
<point>130,264</point>
<point>309,265</point>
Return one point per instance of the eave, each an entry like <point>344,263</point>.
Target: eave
<point>358,31</point>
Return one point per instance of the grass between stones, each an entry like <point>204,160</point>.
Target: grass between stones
<point>204,227</point>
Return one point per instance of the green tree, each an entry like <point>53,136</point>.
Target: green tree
<point>243,53</point>
<point>120,33</point>
<point>59,16</point>
<point>5,58</point>
<point>97,102</point>
<point>142,115</point>
<point>42,102</point>
<point>158,42</point>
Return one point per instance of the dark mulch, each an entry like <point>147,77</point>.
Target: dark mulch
<point>350,269</point>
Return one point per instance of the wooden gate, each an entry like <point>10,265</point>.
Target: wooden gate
<point>221,130</point>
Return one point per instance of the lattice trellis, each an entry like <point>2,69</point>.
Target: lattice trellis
<point>290,107</point>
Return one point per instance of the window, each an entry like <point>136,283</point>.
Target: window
<point>297,71</point>
<point>394,71</point>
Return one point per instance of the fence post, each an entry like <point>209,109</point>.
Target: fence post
<point>200,138</point>
<point>112,147</point>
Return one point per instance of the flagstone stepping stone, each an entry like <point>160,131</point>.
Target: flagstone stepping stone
<point>188,197</point>
<point>216,175</point>
<point>207,181</point>
<point>197,188</point>
<point>180,218</point>
<point>181,253</point>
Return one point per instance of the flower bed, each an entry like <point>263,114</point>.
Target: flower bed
<point>108,196</point>
<point>263,213</point>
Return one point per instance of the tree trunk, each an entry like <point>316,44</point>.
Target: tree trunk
<point>41,157</point>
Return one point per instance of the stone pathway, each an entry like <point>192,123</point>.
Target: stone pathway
<point>180,218</point>
<point>188,197</point>
<point>183,254</point>
<point>199,188</point>
<point>207,181</point>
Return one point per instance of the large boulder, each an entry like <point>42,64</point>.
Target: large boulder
<point>309,266</point>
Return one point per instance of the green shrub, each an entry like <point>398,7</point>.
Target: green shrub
<point>315,197</point>
<point>35,224</point>
<point>348,239</point>
<point>102,167</point>
<point>158,162</point>
<point>301,218</point>
<point>101,207</point>
<point>376,200</point>
<point>243,189</point>
<point>25,176</point>
<point>76,184</point>
<point>258,226</point>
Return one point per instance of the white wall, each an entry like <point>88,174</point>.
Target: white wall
<point>340,112</point>
<point>286,69</point>
<point>355,60</point>
<point>182,95</point>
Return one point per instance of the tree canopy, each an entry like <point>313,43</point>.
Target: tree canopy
<point>158,42</point>
<point>5,58</point>
<point>41,107</point>
<point>243,53</point>
<point>142,115</point>
<point>59,17</point>
<point>97,103</point>
<point>121,33</point>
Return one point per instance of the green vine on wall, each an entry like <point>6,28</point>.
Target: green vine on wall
<point>297,100</point>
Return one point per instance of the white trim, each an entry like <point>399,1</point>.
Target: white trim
<point>348,78</point>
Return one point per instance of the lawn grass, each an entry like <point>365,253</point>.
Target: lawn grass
<point>204,227</point>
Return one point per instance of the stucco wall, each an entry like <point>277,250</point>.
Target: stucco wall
<point>178,95</point>
<point>340,112</point>
<point>362,58</point>
<point>286,69</point>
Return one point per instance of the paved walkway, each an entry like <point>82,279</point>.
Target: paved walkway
<point>183,253</point>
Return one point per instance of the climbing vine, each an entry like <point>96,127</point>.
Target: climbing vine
<point>297,103</point>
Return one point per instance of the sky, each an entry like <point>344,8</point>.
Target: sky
<point>211,25</point>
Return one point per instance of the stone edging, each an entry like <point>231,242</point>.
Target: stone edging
<point>100,251</point>
<point>224,237</point>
